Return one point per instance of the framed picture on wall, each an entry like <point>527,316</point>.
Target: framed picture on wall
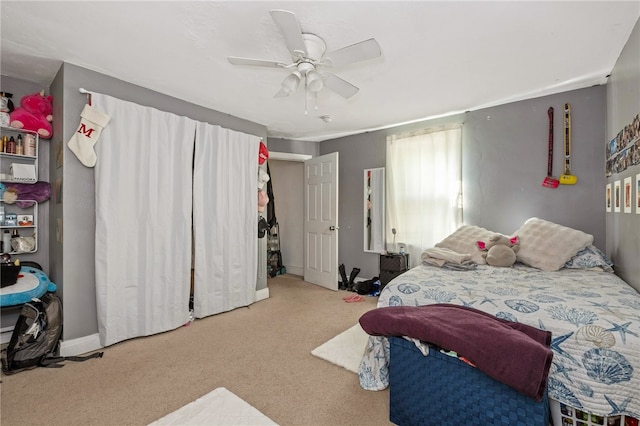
<point>638,193</point>
<point>608,197</point>
<point>627,195</point>
<point>616,196</point>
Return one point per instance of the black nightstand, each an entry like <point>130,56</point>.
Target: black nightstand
<point>392,265</point>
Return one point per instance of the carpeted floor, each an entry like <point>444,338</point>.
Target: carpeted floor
<point>261,353</point>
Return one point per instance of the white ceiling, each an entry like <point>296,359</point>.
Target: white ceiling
<point>438,58</point>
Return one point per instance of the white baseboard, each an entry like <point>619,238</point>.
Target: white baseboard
<point>262,294</point>
<point>295,270</point>
<point>80,346</point>
<point>91,343</point>
<point>5,334</point>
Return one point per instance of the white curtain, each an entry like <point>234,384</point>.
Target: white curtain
<point>143,189</point>
<point>376,210</point>
<point>424,188</point>
<point>225,219</point>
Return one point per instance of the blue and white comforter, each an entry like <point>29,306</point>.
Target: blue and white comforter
<point>594,318</point>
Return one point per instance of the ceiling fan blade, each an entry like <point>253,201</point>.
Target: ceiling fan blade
<point>290,28</point>
<point>338,85</point>
<point>361,51</point>
<point>255,62</point>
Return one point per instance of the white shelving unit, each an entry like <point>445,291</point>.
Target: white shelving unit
<point>28,162</point>
<point>24,228</point>
<point>19,168</point>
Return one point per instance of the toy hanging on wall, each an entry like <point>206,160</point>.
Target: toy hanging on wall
<point>263,153</point>
<point>35,114</point>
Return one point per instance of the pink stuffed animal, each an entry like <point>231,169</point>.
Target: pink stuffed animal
<point>34,114</point>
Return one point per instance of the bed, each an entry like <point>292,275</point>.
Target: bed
<point>593,315</point>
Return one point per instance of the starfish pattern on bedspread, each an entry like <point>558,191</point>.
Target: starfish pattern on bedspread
<point>622,329</point>
<point>583,309</point>
<point>618,408</point>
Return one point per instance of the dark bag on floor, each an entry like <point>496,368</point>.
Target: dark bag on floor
<point>36,337</point>
<point>369,286</point>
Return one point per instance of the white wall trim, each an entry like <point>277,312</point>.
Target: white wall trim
<point>262,294</point>
<point>91,343</point>
<point>287,156</point>
<point>5,334</point>
<point>294,270</point>
<point>81,345</point>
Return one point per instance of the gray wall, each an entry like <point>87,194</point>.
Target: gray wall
<point>73,269</point>
<point>623,104</point>
<point>294,147</point>
<point>504,164</point>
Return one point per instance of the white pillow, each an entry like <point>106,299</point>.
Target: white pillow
<point>464,241</point>
<point>548,246</point>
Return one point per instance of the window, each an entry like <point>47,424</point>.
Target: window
<point>424,188</point>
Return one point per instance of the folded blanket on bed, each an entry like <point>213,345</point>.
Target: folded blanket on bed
<point>448,259</point>
<point>513,353</point>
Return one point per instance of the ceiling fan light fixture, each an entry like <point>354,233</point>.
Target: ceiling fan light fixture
<point>314,81</point>
<point>308,52</point>
<point>291,82</point>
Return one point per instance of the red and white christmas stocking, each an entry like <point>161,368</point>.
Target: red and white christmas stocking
<point>82,142</point>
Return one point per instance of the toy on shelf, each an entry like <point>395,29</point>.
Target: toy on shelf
<point>35,114</point>
<point>23,194</point>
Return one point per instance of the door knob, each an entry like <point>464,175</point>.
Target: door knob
<point>333,228</point>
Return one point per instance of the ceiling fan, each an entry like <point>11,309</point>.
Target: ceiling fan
<point>308,55</point>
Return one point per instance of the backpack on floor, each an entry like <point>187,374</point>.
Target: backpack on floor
<point>370,287</point>
<point>36,336</point>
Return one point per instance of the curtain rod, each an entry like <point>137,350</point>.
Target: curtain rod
<point>86,92</point>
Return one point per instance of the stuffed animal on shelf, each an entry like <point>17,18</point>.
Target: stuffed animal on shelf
<point>34,114</point>
<point>22,193</point>
<point>500,250</point>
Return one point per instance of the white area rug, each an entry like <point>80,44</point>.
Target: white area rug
<point>345,350</point>
<point>218,407</point>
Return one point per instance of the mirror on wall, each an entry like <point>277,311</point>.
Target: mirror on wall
<point>374,211</point>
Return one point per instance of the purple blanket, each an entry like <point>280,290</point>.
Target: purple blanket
<point>515,354</point>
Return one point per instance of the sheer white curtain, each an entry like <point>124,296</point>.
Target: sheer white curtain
<point>377,210</point>
<point>424,187</point>
<point>143,189</point>
<point>225,219</point>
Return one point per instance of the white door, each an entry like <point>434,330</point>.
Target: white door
<point>321,221</point>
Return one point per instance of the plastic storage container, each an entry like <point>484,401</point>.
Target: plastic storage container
<point>564,415</point>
